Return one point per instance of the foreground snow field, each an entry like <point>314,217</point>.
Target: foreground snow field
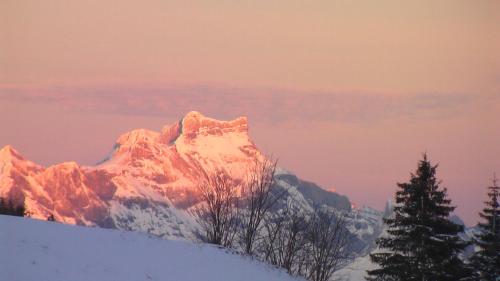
<point>355,271</point>
<point>39,250</point>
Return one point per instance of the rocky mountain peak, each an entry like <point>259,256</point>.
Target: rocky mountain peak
<point>196,123</point>
<point>8,153</point>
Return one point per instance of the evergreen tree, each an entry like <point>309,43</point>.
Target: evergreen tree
<point>422,243</point>
<point>8,207</point>
<point>3,206</point>
<point>486,261</point>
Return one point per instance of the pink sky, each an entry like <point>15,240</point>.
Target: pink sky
<point>347,95</point>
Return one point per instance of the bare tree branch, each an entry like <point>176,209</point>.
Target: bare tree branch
<point>329,241</point>
<point>218,214</point>
<point>284,241</point>
<point>258,199</point>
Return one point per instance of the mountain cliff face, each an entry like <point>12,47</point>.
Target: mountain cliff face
<point>73,194</point>
<point>149,181</point>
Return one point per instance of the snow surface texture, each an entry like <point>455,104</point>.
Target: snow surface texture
<point>39,250</point>
<point>355,271</point>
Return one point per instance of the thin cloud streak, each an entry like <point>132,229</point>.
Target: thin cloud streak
<point>276,106</point>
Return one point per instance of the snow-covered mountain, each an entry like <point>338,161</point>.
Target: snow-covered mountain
<point>38,250</point>
<point>149,181</point>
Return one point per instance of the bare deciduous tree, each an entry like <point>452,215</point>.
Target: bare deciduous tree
<point>218,213</point>
<point>328,240</point>
<point>273,228</point>
<point>258,199</point>
<point>312,244</point>
<point>284,242</point>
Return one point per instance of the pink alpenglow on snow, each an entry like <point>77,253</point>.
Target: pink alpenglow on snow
<point>161,166</point>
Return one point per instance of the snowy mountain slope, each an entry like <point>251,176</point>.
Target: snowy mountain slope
<point>38,250</point>
<point>312,192</point>
<point>149,181</point>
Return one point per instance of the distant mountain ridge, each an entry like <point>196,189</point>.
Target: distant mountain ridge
<point>149,181</point>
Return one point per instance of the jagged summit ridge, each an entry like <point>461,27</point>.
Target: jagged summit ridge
<point>194,138</point>
<point>195,122</point>
<point>7,153</point>
<point>191,126</point>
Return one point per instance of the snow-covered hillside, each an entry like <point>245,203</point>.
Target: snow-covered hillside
<point>356,270</point>
<point>39,250</point>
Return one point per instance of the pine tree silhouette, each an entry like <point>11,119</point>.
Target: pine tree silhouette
<point>486,261</point>
<point>422,243</point>
<point>8,207</point>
